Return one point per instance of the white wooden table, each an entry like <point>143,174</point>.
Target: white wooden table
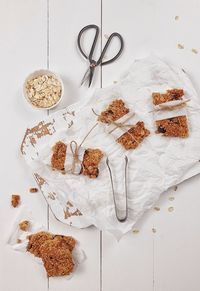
<point>38,34</point>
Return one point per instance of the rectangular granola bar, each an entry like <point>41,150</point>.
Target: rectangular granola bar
<point>91,160</point>
<point>114,111</point>
<point>170,95</point>
<point>59,155</point>
<point>174,127</point>
<point>134,136</point>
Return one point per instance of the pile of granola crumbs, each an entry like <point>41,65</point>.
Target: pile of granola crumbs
<point>43,91</point>
<point>55,252</point>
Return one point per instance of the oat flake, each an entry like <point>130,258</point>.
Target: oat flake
<point>180,46</point>
<point>171,209</point>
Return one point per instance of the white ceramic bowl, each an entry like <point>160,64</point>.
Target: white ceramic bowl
<point>39,73</point>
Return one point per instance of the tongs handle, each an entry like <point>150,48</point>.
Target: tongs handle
<point>119,218</point>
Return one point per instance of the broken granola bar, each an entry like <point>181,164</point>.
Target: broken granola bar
<point>174,127</point>
<point>55,252</point>
<point>15,200</point>
<point>24,225</point>
<point>114,111</point>
<point>91,160</point>
<point>134,136</point>
<point>170,95</point>
<point>59,155</point>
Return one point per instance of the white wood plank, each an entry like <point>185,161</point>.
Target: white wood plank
<point>23,49</point>
<point>150,27</point>
<point>67,18</point>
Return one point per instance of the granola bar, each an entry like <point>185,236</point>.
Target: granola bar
<point>170,95</point>
<point>134,136</point>
<point>174,127</point>
<point>91,160</point>
<point>15,200</point>
<point>59,155</point>
<point>55,252</point>
<point>114,111</point>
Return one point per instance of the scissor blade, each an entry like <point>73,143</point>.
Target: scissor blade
<point>86,76</point>
<point>91,76</point>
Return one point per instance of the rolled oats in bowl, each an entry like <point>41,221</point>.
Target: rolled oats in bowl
<point>43,89</point>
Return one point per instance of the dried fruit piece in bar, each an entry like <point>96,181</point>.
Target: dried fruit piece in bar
<point>59,155</point>
<point>114,111</point>
<point>174,127</point>
<point>170,95</point>
<point>91,160</point>
<point>134,136</point>
<point>15,200</point>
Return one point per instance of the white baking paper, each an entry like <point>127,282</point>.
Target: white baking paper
<point>156,165</point>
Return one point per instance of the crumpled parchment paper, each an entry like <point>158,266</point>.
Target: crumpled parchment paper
<point>156,165</point>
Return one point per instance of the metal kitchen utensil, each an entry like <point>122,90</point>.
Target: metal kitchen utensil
<point>93,64</point>
<point>120,218</point>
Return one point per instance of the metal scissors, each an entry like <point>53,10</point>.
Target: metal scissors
<point>121,215</point>
<point>93,64</point>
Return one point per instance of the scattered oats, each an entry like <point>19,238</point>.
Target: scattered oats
<point>175,188</point>
<point>176,17</point>
<point>157,208</point>
<point>153,230</point>
<point>171,209</point>
<point>195,51</point>
<point>33,190</point>
<point>43,91</point>
<point>19,241</point>
<point>106,36</point>
<point>114,82</point>
<point>171,198</point>
<point>180,46</point>
<point>136,231</point>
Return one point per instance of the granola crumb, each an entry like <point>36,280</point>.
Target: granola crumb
<point>171,198</point>
<point>134,136</point>
<point>195,51</point>
<point>157,208</point>
<point>91,160</point>
<point>59,155</point>
<point>171,209</point>
<point>15,200</point>
<point>19,241</point>
<point>180,46</point>
<point>136,231</point>
<point>154,230</point>
<point>176,17</point>
<point>24,225</point>
<point>33,190</point>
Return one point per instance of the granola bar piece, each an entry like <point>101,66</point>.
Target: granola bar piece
<point>174,127</point>
<point>134,136</point>
<point>36,240</point>
<point>91,160</point>
<point>114,111</point>
<point>57,261</point>
<point>15,200</point>
<point>59,155</point>
<point>170,95</point>
<point>24,225</point>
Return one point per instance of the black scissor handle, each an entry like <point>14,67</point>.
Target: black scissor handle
<point>94,41</point>
<point>113,35</point>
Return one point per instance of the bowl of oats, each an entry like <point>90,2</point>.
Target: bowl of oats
<point>43,89</point>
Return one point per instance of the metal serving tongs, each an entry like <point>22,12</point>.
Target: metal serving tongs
<point>120,218</point>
